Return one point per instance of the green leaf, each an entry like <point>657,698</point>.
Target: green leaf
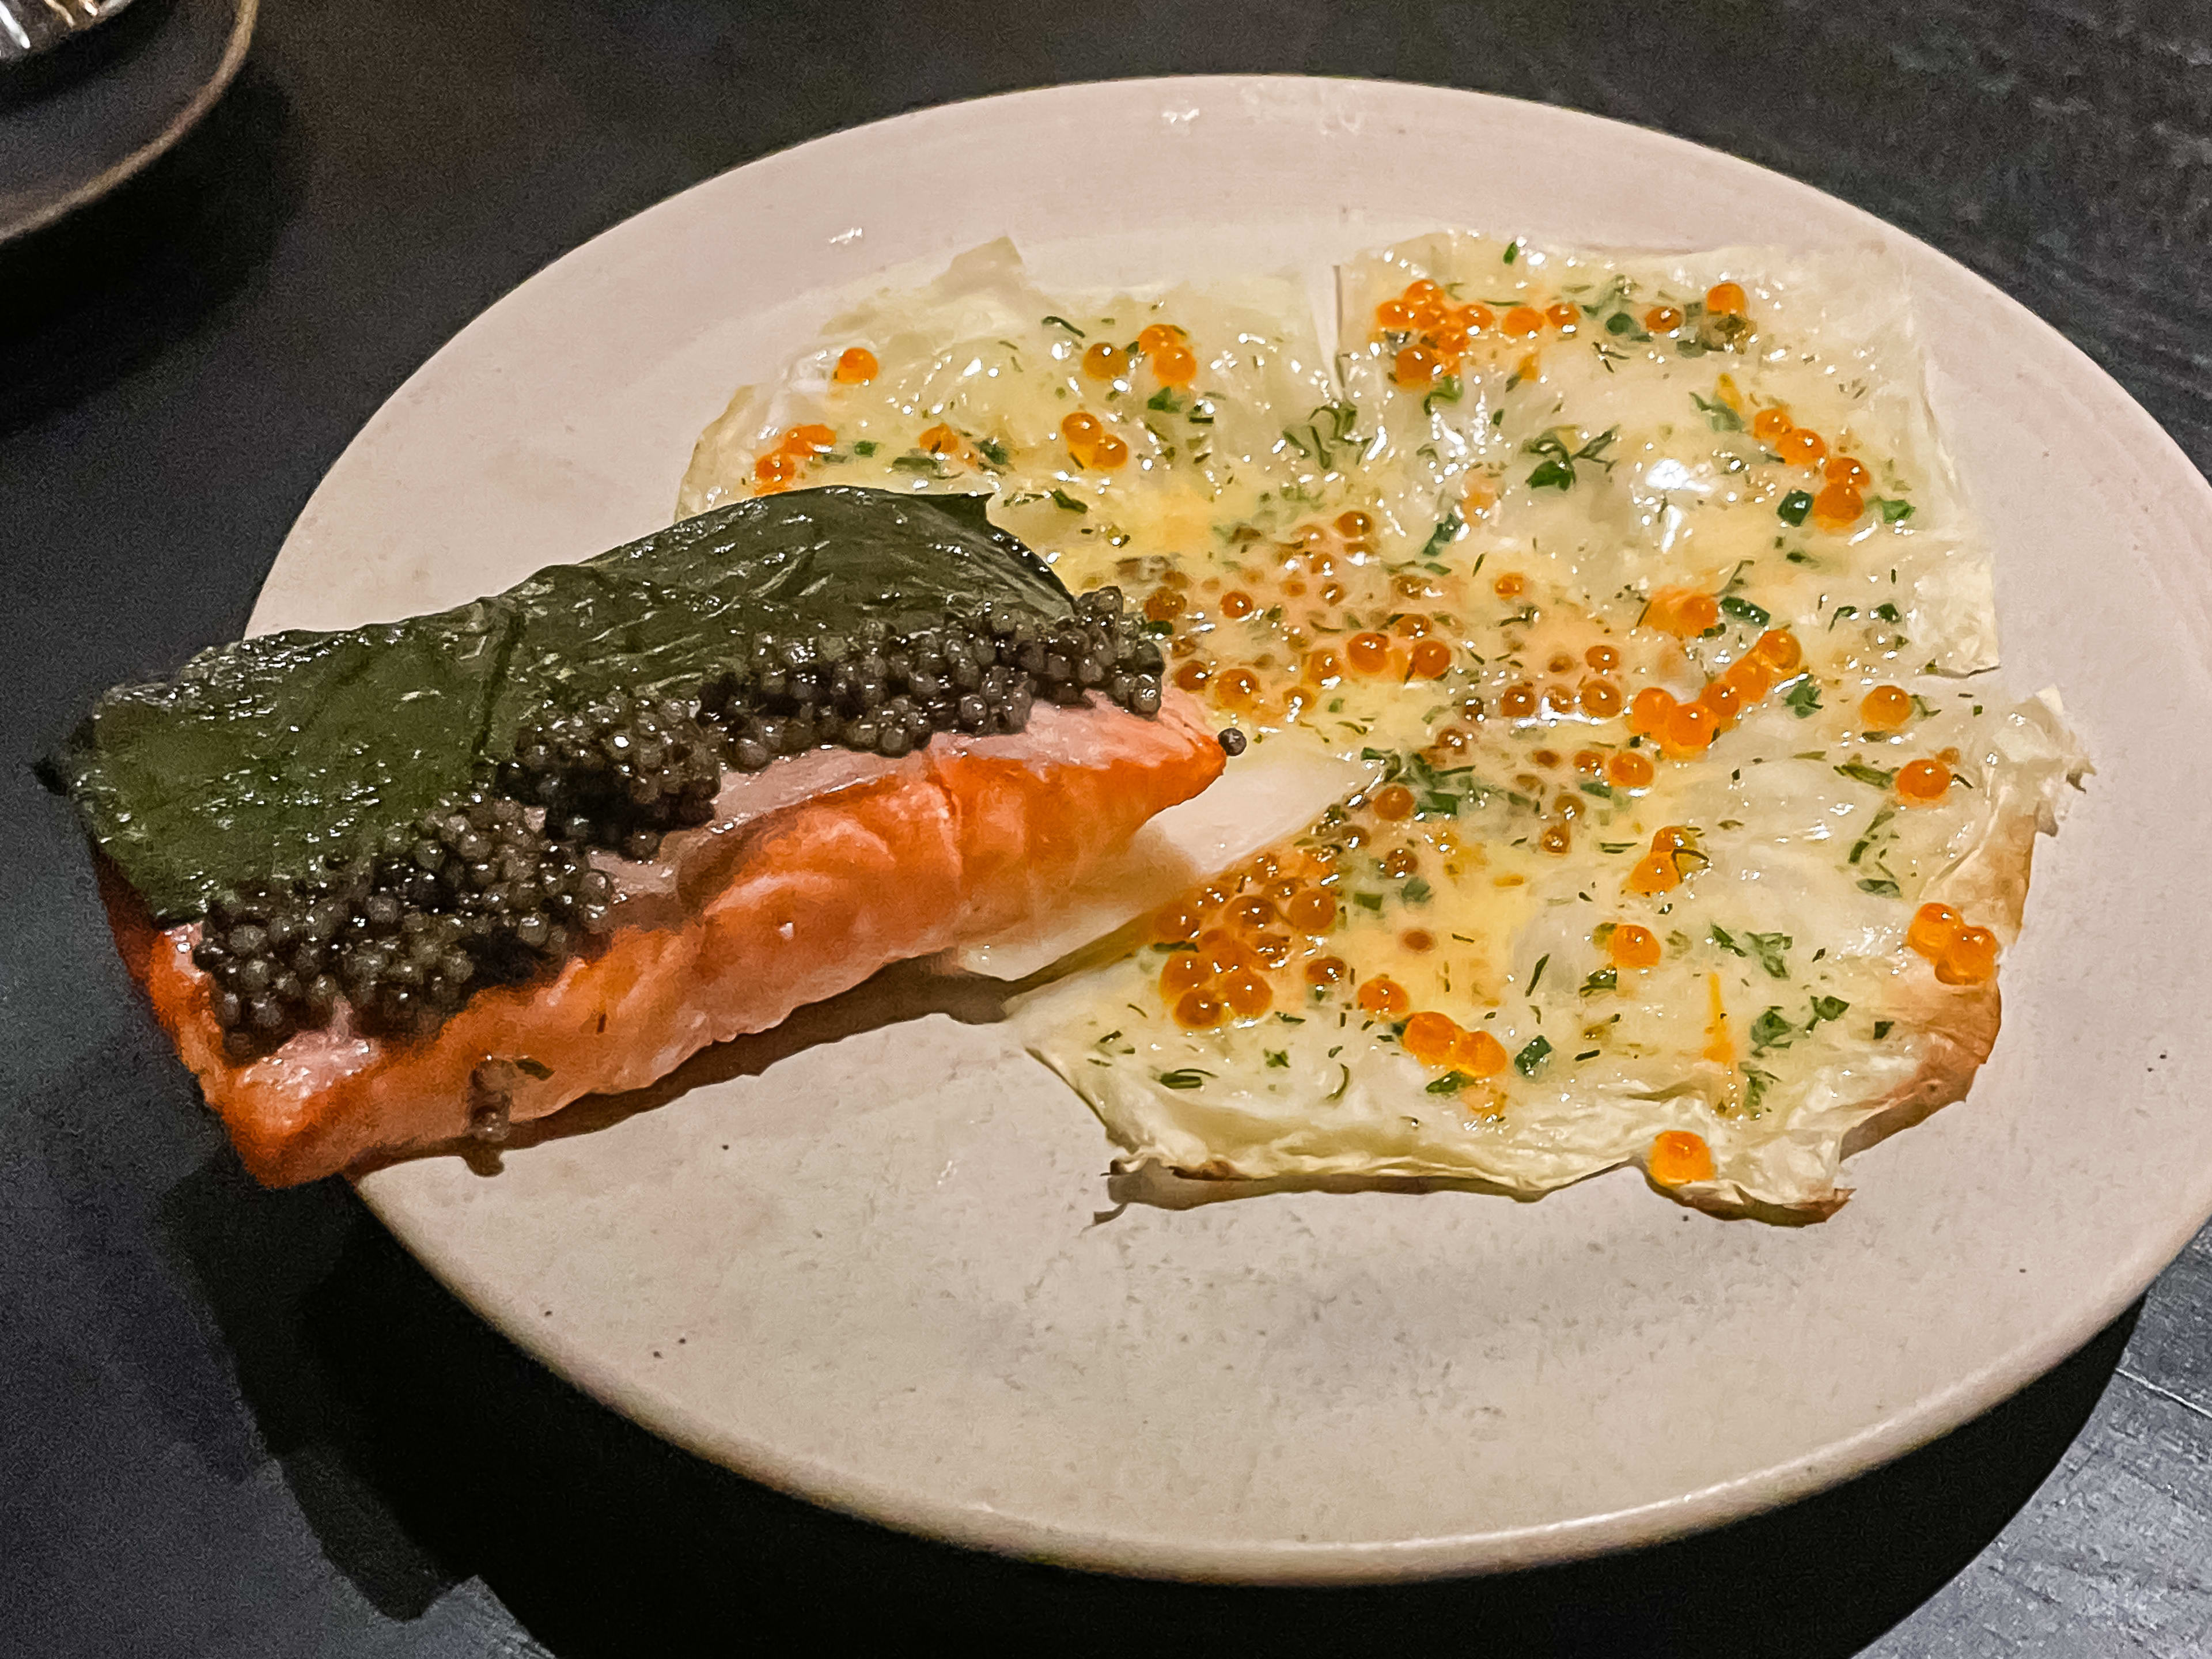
<point>1537,978</point>
<point>1744,610</point>
<point>1415,891</point>
<point>1061,498</point>
<point>1718,416</point>
<point>1873,829</point>
<point>1770,947</point>
<point>1892,511</point>
<point>1435,805</point>
<point>1771,1030</point>
<point>1888,613</point>
<point>1445,533</point>
<point>865,446</point>
<point>1189,1077</point>
<point>1860,772</point>
<point>1829,1008</point>
<point>1804,698</point>
<point>259,757</point>
<point>1605,979</point>
<point>1726,941</point>
<point>1166,401</point>
<point>1278,1059</point>
<point>1621,323</point>
<point>1062,322</point>
<point>1881,887</point>
<point>1531,1057</point>
<point>1446,390</point>
<point>1368,901</point>
<point>1756,1083</point>
<point>1795,506</point>
<point>993,450</point>
<point>1450,1084</point>
<point>1512,251</point>
<point>916,460</point>
<point>1883,1028</point>
<point>1552,475</point>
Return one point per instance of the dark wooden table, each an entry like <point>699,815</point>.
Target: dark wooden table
<point>241,1423</point>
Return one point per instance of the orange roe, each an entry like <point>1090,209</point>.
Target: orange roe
<point>1837,506</point>
<point>1886,708</point>
<point>1649,711</point>
<point>776,470</point>
<point>1416,367</point>
<point>1081,429</point>
<point>1236,604</point>
<point>1384,995</point>
<point>1563,317</point>
<point>1511,585</point>
<point>1654,872</point>
<point>1749,677</point>
<point>1108,453</point>
<point>1602,657</point>
<point>1186,970</point>
<point>1631,946</point>
<point>1601,699</point>
<point>1157,337</point>
<point>1770,422</point>
<point>1175,364</point>
<point>941,440</point>
<point>1368,654</point>
<point>1103,362</point>
<point>1923,782</point>
<point>856,366</point>
<point>1326,970</point>
<point>1324,666</point>
<point>1678,1156</point>
<point>1970,958</point>
<point>1522,321</point>
<point>1846,469</point>
<point>1932,929</point>
<point>1393,802</point>
<point>1199,1011</point>
<point>1778,648</point>
<point>1478,1054</point>
<point>1432,1038</point>
<point>1517,703</point>
<point>1684,612</point>
<point>1249,996</point>
<point>1690,730</point>
<point>1431,660</point>
<point>1802,447</point>
<point>1628,770</point>
<point>1662,319</point>
<point>1727,300</point>
<point>1312,911</point>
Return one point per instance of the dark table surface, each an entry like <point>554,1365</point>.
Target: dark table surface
<point>237,1422</point>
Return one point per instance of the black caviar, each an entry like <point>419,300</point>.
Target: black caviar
<point>500,887</point>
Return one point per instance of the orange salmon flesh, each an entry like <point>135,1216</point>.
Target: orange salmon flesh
<point>949,847</point>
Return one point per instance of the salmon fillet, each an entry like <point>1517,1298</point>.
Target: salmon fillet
<point>812,875</point>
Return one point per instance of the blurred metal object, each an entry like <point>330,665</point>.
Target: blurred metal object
<point>30,26</point>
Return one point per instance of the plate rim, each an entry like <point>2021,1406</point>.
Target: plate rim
<point>194,111</point>
<point>1288,1562</point>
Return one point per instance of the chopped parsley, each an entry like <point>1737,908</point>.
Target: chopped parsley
<point>1860,772</point>
<point>1061,498</point>
<point>1533,1055</point>
<point>1606,979</point>
<point>1189,1077</point>
<point>1795,506</point>
<point>1556,470</point>
<point>865,446</point>
<point>1773,1029</point>
<point>1804,698</point>
<point>1718,416</point>
<point>1744,610</point>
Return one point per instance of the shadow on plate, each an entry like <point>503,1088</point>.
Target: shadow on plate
<point>424,1449</point>
<point>904,991</point>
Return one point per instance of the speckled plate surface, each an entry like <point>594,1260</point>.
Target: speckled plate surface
<point>870,1257</point>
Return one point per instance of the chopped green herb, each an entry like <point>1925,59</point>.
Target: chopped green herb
<point>1744,610</point>
<point>1415,891</point>
<point>1061,498</point>
<point>1062,322</point>
<point>1537,978</point>
<point>1771,1030</point>
<point>991,450</point>
<point>1188,1077</point>
<point>1770,947</point>
<point>1795,506</point>
<point>1278,1059</point>
<point>1445,533</point>
<point>1873,829</point>
<point>1530,1058</point>
<point>1892,511</point>
<point>1450,1084</point>
<point>1804,698</point>
<point>1589,1054</point>
<point>1888,613</point>
<point>1881,887</point>
<point>1756,1083</point>
<point>1881,1028</point>
<point>1718,416</point>
<point>1860,772</point>
<point>1445,391</point>
<point>1829,1008</point>
<point>1606,979</point>
<point>915,460</point>
<point>1512,251</point>
<point>1726,941</point>
<point>865,446</point>
<point>1368,901</point>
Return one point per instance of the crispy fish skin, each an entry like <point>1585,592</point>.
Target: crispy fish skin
<point>941,848</point>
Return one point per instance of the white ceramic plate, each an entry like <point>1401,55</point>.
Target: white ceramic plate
<point>859,1259</point>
